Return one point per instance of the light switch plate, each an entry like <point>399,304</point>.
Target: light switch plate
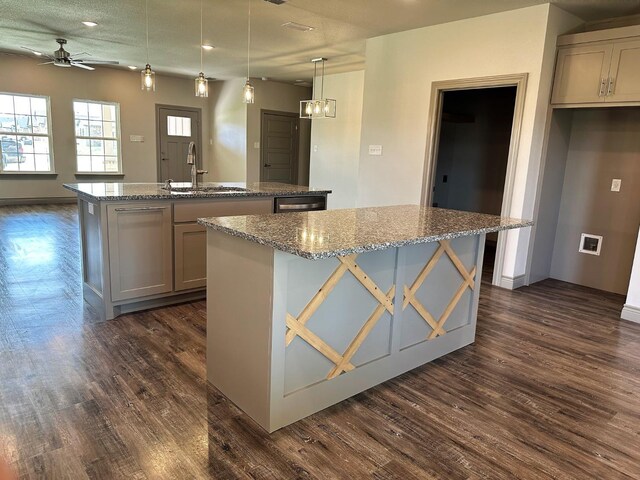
<point>616,183</point>
<point>90,207</point>
<point>256,145</point>
<point>375,150</point>
<point>315,148</point>
<point>136,138</point>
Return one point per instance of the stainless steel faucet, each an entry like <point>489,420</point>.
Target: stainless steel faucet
<point>193,161</point>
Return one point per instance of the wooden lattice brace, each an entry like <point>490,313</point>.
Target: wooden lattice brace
<point>297,326</point>
<point>437,327</point>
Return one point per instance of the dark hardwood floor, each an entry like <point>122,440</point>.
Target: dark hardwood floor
<point>550,389</point>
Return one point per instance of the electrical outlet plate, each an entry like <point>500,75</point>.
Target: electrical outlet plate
<point>136,138</point>
<point>616,183</point>
<point>375,150</point>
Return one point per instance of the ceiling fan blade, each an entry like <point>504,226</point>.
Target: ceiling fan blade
<point>38,53</point>
<point>46,63</point>
<point>97,62</point>
<point>80,65</point>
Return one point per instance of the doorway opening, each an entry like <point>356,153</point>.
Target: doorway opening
<point>471,159</point>
<point>279,146</point>
<point>176,127</point>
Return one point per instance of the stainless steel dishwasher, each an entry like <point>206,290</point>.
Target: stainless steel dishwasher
<point>300,204</point>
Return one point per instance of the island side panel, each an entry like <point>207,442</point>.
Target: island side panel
<point>239,301</point>
<point>383,354</point>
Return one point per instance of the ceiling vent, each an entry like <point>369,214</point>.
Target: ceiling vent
<point>276,2</point>
<point>297,26</point>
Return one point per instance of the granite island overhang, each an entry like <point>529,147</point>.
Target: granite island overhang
<point>309,309</point>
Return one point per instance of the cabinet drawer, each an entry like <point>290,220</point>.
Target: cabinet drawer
<point>191,211</point>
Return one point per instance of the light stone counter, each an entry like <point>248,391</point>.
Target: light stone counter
<point>335,233</point>
<point>305,310</point>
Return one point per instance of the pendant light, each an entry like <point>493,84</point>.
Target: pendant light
<point>147,76</point>
<point>318,107</point>
<point>248,93</point>
<point>202,84</point>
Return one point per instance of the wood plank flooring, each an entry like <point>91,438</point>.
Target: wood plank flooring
<point>550,389</point>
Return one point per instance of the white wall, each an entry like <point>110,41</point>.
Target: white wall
<point>137,116</point>
<point>400,69</point>
<point>228,131</point>
<point>631,309</point>
<point>335,163</point>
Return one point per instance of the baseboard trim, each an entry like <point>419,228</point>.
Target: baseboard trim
<point>512,283</point>
<point>5,202</point>
<point>631,313</point>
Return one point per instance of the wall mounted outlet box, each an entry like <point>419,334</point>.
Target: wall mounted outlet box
<point>616,183</point>
<point>136,138</point>
<point>590,244</point>
<point>375,150</point>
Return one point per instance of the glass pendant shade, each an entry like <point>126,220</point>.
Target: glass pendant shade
<point>248,93</point>
<point>202,86</point>
<point>320,108</point>
<point>148,79</point>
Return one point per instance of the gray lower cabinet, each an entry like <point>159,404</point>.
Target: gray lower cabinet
<point>140,249</point>
<point>190,255</point>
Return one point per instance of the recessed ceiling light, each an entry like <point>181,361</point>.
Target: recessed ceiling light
<point>298,26</point>
<point>208,47</point>
<point>132,67</point>
<point>89,24</point>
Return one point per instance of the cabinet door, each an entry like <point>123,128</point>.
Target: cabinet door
<point>190,256</point>
<point>625,73</point>
<point>139,250</point>
<point>581,74</point>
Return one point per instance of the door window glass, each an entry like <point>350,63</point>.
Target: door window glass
<point>178,126</point>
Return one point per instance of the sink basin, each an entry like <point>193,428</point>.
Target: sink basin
<point>205,188</point>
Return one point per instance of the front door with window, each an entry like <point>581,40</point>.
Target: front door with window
<point>176,128</point>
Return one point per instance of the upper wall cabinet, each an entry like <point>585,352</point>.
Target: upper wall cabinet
<point>604,72</point>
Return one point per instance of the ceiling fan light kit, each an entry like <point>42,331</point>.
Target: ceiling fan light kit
<point>318,107</point>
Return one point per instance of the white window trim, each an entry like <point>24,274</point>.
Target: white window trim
<point>52,170</point>
<point>84,137</point>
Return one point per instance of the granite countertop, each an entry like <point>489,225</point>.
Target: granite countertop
<point>100,191</point>
<point>333,233</point>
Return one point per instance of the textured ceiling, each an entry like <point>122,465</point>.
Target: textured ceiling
<point>341,28</point>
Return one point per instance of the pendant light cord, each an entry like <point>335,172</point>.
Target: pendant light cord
<point>322,84</point>
<point>201,36</point>
<point>249,40</point>
<point>146,14</point>
<point>313,84</point>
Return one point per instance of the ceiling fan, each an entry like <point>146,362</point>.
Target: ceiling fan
<point>62,58</point>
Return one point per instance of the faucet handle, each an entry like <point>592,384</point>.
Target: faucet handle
<point>202,172</point>
<point>167,184</point>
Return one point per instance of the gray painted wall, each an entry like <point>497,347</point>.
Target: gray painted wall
<point>604,144</point>
<point>551,194</point>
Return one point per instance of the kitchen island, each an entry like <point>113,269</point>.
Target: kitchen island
<point>142,247</point>
<point>309,309</point>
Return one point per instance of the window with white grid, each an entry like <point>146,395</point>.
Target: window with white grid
<point>25,134</point>
<point>97,127</point>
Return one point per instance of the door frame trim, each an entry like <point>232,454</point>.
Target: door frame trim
<point>296,116</point>
<point>160,106</point>
<point>518,80</point>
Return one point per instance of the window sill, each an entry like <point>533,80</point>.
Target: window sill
<point>28,174</point>
<point>98,174</point>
